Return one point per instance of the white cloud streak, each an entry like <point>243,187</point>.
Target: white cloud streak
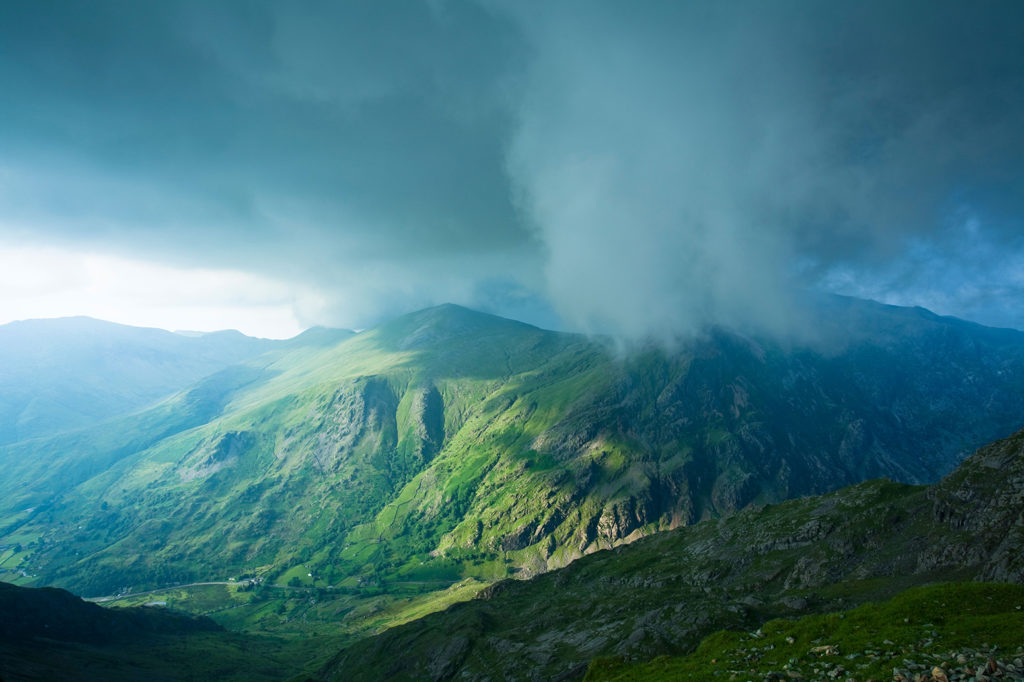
<point>53,282</point>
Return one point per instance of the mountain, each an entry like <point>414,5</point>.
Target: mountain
<point>54,614</point>
<point>448,445</point>
<point>661,595</point>
<point>61,374</point>
<point>49,634</point>
<point>609,614</point>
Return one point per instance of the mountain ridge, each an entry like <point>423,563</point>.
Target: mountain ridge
<point>454,449</point>
<point>611,611</point>
<point>453,444</point>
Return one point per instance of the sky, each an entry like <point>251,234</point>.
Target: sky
<point>638,169</point>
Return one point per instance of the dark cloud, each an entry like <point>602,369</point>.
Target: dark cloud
<point>642,169</point>
<point>333,142</point>
<point>699,162</point>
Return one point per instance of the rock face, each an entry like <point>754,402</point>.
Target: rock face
<point>210,457</point>
<point>661,594</point>
<point>981,504</point>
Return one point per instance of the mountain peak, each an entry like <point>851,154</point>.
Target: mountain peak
<point>453,311</point>
<point>320,336</point>
<point>446,322</point>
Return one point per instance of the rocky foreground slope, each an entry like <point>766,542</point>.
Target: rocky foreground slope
<point>949,632</point>
<point>662,594</point>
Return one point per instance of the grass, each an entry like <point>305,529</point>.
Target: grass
<point>931,623</point>
<point>341,613</point>
<point>193,656</point>
<point>299,573</point>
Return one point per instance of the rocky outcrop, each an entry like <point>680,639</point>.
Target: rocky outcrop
<point>661,594</point>
<point>215,454</point>
<point>983,499</point>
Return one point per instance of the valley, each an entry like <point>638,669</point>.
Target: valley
<point>449,466</point>
<point>653,609</point>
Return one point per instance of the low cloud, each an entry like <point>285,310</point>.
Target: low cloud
<point>700,164</point>
<point>643,171</point>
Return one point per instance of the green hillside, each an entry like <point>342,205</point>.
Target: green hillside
<point>951,631</point>
<point>781,579</point>
<point>448,449</point>
<point>662,595</point>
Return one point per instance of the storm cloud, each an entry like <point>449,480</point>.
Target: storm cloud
<point>648,169</point>
<point>699,163</point>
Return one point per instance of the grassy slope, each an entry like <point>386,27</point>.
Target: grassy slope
<point>663,594</point>
<point>660,596</point>
<point>313,445</point>
<point>937,626</point>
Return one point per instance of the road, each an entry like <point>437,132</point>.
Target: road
<point>112,597</point>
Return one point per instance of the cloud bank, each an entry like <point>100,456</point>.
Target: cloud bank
<point>639,170</point>
<point>699,163</point>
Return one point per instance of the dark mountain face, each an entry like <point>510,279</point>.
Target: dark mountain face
<point>61,374</point>
<point>761,422</point>
<point>52,614</point>
<point>49,634</point>
<point>453,444</point>
<point>662,594</point>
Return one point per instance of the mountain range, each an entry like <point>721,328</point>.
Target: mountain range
<point>663,594</point>
<point>391,472</point>
<point>63,374</point>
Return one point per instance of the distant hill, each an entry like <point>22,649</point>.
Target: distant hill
<point>61,374</point>
<point>54,614</point>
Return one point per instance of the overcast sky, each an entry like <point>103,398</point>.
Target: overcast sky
<point>638,168</point>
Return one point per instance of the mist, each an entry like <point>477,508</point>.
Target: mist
<point>639,171</point>
<point>696,164</point>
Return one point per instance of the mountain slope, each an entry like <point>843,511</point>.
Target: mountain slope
<point>659,595</point>
<point>49,634</point>
<point>50,613</point>
<point>939,632</point>
<point>61,374</point>
<point>662,594</point>
<point>449,444</point>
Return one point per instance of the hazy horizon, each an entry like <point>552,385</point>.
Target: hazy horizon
<point>558,328</point>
